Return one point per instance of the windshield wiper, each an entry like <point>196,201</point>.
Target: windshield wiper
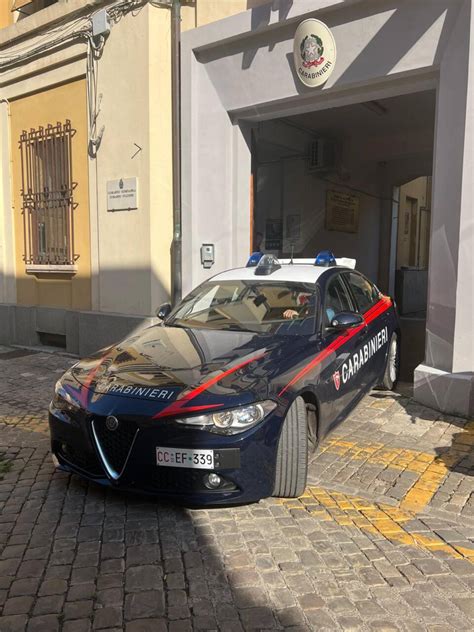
<point>175,324</point>
<point>235,327</point>
<point>209,326</point>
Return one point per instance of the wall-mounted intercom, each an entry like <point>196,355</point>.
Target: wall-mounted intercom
<point>207,255</point>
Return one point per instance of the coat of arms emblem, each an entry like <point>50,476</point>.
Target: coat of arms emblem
<point>312,51</point>
<point>336,377</point>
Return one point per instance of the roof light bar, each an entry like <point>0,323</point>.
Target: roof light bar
<point>254,259</point>
<point>325,258</point>
<point>267,265</point>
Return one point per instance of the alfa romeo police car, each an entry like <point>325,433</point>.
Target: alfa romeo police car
<point>225,400</point>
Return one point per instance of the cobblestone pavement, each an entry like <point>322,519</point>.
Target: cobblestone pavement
<point>381,539</point>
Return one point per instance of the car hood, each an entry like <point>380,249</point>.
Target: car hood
<point>161,362</point>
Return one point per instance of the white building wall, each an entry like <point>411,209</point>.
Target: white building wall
<point>131,259</point>
<point>446,379</point>
<point>464,309</point>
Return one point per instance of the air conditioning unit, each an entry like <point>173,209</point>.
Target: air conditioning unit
<point>321,155</point>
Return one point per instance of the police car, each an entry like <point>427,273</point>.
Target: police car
<point>225,400</point>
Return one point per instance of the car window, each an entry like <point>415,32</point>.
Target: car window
<point>264,307</point>
<point>336,300</point>
<point>365,292</point>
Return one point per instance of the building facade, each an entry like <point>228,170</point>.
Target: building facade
<point>398,106</point>
<point>81,114</point>
<point>373,162</point>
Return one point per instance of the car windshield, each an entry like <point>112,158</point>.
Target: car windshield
<point>278,308</point>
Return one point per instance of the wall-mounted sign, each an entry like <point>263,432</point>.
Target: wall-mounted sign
<point>273,234</point>
<point>122,195</point>
<point>293,227</point>
<point>342,212</point>
<point>314,52</point>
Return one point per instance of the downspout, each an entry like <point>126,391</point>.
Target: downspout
<point>176,267</point>
<point>8,293</point>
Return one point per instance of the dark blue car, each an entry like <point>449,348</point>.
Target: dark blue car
<point>225,400</point>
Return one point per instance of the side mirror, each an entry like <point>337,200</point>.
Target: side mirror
<point>346,320</point>
<point>163,311</point>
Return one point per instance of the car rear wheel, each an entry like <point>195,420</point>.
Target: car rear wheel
<point>292,456</point>
<point>392,367</point>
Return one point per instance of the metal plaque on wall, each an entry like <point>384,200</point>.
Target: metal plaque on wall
<point>122,194</point>
<point>342,211</point>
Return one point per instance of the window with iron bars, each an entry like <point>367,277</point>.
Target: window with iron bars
<point>47,195</point>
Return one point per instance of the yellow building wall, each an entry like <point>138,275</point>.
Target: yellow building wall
<point>161,150</point>
<point>6,15</point>
<point>204,12</point>
<point>54,105</point>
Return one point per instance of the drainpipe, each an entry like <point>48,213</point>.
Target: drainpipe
<point>176,267</point>
<point>8,291</point>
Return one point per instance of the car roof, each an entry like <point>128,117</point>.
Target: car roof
<point>296,273</point>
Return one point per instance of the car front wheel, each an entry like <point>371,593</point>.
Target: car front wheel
<point>292,456</point>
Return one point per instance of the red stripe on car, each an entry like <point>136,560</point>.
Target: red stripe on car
<point>374,312</point>
<point>179,406</point>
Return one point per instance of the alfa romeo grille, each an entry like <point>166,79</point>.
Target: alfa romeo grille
<point>114,446</point>
<point>79,458</point>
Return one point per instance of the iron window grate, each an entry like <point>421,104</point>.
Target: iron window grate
<point>47,195</point>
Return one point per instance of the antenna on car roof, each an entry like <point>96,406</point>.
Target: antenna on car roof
<point>292,252</point>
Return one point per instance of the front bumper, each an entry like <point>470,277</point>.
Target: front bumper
<point>132,449</point>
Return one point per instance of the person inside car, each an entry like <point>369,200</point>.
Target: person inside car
<point>304,302</point>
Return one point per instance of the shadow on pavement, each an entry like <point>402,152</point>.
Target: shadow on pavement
<point>118,558</point>
<point>459,456</point>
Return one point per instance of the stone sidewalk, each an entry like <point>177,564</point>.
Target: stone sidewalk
<point>381,539</point>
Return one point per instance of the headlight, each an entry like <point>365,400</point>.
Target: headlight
<point>62,401</point>
<point>231,421</point>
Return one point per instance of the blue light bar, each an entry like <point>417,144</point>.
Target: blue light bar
<point>254,259</point>
<point>325,258</point>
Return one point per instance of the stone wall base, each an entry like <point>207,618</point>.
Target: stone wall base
<point>452,393</point>
<point>83,332</point>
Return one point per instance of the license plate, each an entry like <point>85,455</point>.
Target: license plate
<point>178,457</point>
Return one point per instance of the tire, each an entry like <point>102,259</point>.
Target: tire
<point>392,367</point>
<point>292,457</point>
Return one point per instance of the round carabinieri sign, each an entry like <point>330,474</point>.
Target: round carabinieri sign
<point>314,52</point>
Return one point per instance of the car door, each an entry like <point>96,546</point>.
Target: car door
<point>340,384</point>
<point>368,297</point>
